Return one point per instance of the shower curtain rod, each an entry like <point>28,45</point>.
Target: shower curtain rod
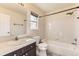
<point>59,11</point>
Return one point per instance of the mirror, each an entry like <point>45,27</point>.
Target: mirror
<point>12,20</point>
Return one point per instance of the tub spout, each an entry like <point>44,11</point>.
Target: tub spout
<point>75,41</point>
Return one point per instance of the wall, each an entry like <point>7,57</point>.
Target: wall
<point>20,17</point>
<point>41,24</point>
<point>16,17</point>
<point>62,27</point>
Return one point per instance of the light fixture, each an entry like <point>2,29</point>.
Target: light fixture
<point>69,13</point>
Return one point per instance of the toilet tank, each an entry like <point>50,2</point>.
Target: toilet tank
<point>37,38</point>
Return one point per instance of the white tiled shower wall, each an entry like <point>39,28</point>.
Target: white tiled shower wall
<point>63,27</point>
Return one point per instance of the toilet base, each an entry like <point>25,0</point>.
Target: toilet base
<point>41,53</point>
<point>41,49</point>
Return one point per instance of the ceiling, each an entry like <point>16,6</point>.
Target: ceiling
<point>45,7</point>
<point>14,6</point>
<point>50,7</point>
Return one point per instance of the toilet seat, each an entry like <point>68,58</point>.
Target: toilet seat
<point>42,46</point>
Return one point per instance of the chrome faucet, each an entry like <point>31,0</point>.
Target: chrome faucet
<point>75,41</point>
<point>16,38</point>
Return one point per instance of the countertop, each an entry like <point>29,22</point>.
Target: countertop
<point>9,46</point>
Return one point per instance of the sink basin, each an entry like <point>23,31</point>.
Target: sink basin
<point>14,43</point>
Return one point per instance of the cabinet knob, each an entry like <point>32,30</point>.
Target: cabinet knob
<point>26,54</point>
<point>23,55</point>
<point>31,46</point>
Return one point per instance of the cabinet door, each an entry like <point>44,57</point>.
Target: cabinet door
<point>4,25</point>
<point>10,54</point>
<point>31,52</point>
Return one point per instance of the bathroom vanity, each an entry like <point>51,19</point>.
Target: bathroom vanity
<point>22,47</point>
<point>29,50</point>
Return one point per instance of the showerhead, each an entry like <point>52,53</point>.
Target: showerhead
<point>69,13</point>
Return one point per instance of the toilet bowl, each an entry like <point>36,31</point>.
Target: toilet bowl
<point>41,47</point>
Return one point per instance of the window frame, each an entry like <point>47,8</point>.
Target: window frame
<point>34,21</point>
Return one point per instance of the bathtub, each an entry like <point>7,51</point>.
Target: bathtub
<point>62,49</point>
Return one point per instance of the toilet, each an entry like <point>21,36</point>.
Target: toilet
<point>41,47</point>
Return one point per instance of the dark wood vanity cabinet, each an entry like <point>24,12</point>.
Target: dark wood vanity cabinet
<point>29,50</point>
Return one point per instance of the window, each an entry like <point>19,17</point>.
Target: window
<point>33,21</point>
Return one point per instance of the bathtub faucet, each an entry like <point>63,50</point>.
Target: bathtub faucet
<point>75,41</point>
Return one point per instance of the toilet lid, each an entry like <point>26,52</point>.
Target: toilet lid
<point>42,45</point>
